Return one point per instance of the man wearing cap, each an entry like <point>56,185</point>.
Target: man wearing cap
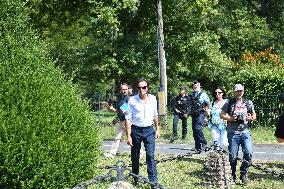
<point>181,111</point>
<point>239,111</point>
<point>199,104</point>
<point>279,132</point>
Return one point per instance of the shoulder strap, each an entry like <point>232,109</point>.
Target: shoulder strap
<point>231,102</point>
<point>249,109</point>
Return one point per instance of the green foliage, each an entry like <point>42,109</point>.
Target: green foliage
<point>47,137</point>
<point>100,43</point>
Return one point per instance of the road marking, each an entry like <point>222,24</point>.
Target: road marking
<point>176,148</point>
<point>259,152</point>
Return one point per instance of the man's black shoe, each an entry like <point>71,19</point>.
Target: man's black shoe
<point>174,138</point>
<point>244,178</point>
<point>196,150</point>
<point>234,178</point>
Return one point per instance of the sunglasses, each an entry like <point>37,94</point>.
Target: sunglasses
<point>218,92</point>
<point>144,87</point>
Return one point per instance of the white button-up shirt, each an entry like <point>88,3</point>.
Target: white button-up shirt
<point>142,113</point>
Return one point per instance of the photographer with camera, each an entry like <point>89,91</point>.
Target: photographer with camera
<point>279,132</point>
<point>239,111</point>
<point>181,111</point>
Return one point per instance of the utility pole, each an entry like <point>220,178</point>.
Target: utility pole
<point>162,67</point>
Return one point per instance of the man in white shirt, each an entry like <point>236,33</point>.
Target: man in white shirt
<point>141,117</point>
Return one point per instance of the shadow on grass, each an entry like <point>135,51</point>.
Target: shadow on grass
<point>190,159</point>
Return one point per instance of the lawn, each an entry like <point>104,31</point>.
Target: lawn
<point>188,173</point>
<point>262,135</point>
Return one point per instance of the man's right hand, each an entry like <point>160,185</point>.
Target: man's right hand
<point>129,141</point>
<point>177,111</point>
<point>233,118</point>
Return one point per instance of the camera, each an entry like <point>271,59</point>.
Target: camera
<point>240,118</point>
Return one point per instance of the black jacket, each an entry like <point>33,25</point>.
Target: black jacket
<point>182,103</point>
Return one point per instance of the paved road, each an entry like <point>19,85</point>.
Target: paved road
<point>270,152</point>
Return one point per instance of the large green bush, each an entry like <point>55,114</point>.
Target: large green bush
<point>47,136</point>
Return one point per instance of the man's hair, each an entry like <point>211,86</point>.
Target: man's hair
<point>195,82</point>
<point>142,79</point>
<point>123,84</point>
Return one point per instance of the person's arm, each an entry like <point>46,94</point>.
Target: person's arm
<point>224,114</point>
<point>128,123</point>
<point>156,123</point>
<point>128,132</point>
<point>280,140</point>
<point>251,114</point>
<point>175,105</point>
<point>226,117</point>
<point>279,132</point>
<point>156,120</point>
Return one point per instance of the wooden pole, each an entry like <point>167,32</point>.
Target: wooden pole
<point>162,66</point>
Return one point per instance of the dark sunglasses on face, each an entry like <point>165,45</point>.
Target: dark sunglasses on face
<point>218,92</point>
<point>144,87</point>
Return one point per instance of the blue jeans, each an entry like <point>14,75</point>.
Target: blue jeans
<point>244,139</point>
<point>184,125</point>
<point>147,136</point>
<point>197,125</point>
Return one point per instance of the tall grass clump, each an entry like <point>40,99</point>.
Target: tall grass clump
<point>47,136</point>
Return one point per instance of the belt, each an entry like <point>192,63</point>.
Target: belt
<point>141,126</point>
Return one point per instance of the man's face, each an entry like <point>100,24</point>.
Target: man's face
<point>196,87</point>
<point>239,93</point>
<point>181,91</point>
<point>142,88</point>
<point>124,90</point>
<point>130,91</point>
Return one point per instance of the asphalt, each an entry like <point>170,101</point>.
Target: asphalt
<point>263,152</point>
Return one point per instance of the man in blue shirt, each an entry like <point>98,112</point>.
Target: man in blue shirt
<point>121,111</point>
<point>141,119</point>
<point>199,104</point>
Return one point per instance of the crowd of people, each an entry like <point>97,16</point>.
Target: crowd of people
<point>228,119</point>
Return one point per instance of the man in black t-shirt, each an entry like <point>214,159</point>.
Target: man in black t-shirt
<point>279,132</point>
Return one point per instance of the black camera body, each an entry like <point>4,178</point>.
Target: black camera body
<point>240,118</point>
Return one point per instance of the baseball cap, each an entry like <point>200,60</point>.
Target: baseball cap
<point>238,87</point>
<point>182,87</point>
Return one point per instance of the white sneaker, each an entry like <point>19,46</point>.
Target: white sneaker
<point>109,155</point>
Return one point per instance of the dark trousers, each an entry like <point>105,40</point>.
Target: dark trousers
<point>184,125</point>
<point>147,136</point>
<point>197,125</point>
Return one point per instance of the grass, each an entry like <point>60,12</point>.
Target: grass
<point>261,135</point>
<point>188,173</point>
